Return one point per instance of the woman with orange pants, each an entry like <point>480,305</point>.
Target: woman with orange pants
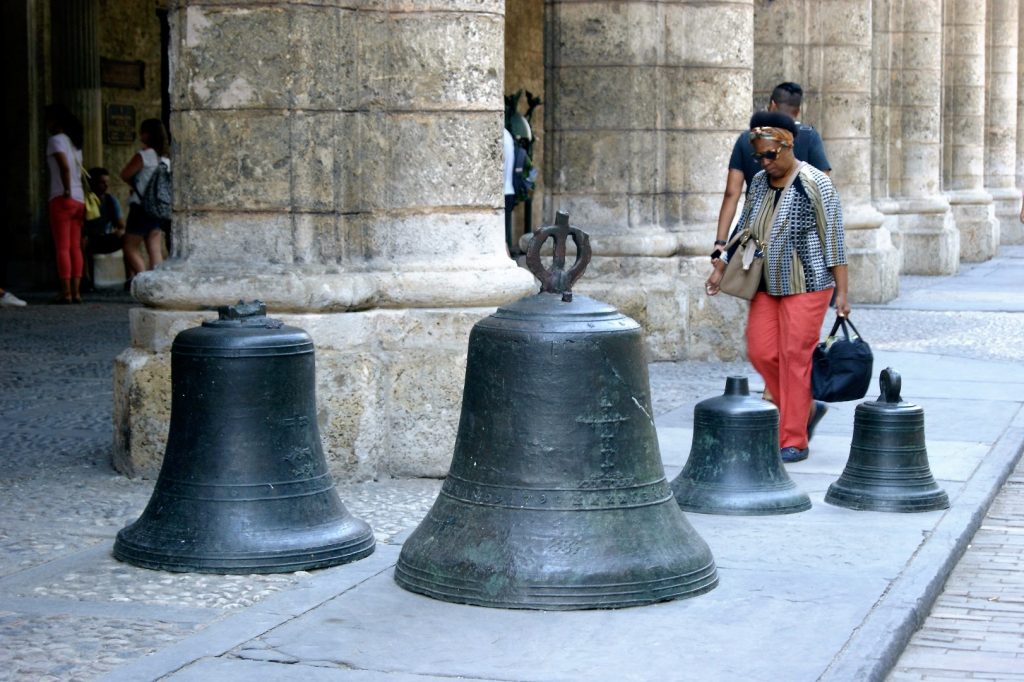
<point>67,200</point>
<point>805,266</point>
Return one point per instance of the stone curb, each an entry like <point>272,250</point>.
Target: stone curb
<point>874,648</point>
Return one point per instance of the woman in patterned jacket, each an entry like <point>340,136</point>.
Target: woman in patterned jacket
<point>805,265</point>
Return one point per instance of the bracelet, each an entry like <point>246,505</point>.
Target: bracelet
<point>715,255</point>
<point>720,242</point>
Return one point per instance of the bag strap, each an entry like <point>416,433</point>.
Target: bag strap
<point>735,239</point>
<point>841,323</point>
<point>849,322</point>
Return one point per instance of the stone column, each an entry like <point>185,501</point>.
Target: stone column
<point>1012,232</point>
<point>1001,112</point>
<point>964,129</point>
<point>76,69</point>
<point>645,99</point>
<point>344,166</point>
<point>923,227</point>
<point>839,67</point>
<point>825,45</point>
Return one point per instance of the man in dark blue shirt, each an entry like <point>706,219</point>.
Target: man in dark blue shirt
<point>807,146</point>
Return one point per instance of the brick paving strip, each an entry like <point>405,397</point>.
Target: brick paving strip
<point>976,628</point>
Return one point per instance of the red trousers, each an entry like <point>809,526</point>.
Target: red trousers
<point>66,218</point>
<point>781,334</point>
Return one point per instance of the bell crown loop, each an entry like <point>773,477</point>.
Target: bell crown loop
<point>242,330</point>
<point>889,383</point>
<point>890,405</point>
<point>556,279</point>
<point>242,314</point>
<point>737,385</point>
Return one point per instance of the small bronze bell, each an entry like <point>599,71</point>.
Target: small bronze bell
<point>244,486</point>
<point>734,465</point>
<point>556,497</point>
<point>888,465</point>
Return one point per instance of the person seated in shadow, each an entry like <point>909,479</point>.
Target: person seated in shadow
<point>106,233</point>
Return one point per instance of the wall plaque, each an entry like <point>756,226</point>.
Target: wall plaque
<point>119,74</point>
<point>119,124</point>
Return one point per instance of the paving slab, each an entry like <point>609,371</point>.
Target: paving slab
<point>825,573</point>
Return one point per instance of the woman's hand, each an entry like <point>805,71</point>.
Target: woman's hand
<point>711,284</point>
<point>842,306</point>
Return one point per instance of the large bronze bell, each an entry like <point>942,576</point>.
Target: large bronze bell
<point>734,465</point>
<point>244,486</point>
<point>888,465</point>
<point>556,497</point>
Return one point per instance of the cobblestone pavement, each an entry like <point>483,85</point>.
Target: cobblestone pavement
<point>976,628</point>
<point>69,611</point>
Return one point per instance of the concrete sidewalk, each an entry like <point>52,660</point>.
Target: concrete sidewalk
<point>829,593</point>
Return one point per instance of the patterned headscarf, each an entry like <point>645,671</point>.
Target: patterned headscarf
<point>780,135</point>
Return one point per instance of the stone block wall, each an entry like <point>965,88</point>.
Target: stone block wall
<point>389,388</point>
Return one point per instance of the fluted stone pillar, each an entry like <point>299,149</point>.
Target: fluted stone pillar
<point>1012,232</point>
<point>1001,112</point>
<point>645,99</point>
<point>840,53</point>
<point>341,162</point>
<point>76,69</point>
<point>826,46</point>
<point>907,131</point>
<point>964,129</point>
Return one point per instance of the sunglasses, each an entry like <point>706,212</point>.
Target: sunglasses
<point>770,155</point>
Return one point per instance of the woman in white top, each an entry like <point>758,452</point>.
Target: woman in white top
<point>67,200</point>
<point>508,156</point>
<point>143,227</point>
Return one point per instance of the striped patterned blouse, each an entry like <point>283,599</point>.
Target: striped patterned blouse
<point>806,239</point>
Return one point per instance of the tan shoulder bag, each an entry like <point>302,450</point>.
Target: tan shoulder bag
<point>745,268</point>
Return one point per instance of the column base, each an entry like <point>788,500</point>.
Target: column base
<point>716,326</point>
<point>183,285</point>
<point>925,235</point>
<point>389,388</point>
<point>873,261</point>
<point>1006,204</point>
<point>666,296</point>
<point>974,216</point>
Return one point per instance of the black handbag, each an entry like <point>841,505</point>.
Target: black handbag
<point>842,366</point>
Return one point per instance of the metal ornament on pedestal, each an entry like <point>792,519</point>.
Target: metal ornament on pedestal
<point>244,486</point>
<point>734,465</point>
<point>888,465</point>
<point>556,497</point>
